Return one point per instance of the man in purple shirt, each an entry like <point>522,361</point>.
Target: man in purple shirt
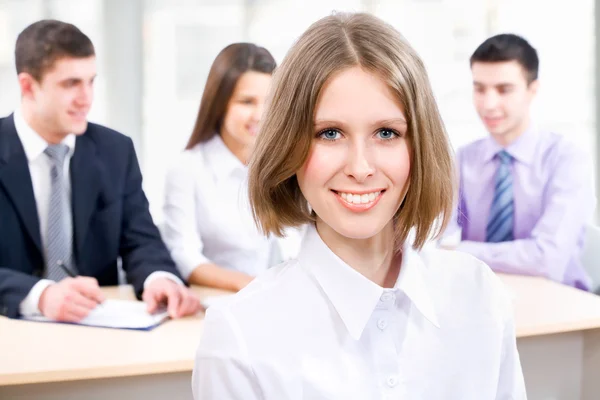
<point>525,194</point>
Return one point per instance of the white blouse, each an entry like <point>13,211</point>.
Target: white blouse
<point>314,328</point>
<point>208,218</point>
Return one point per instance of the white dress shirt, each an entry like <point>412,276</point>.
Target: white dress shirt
<point>207,215</point>
<point>314,328</point>
<point>40,167</point>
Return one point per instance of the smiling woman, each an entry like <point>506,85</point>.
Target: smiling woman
<point>352,144</point>
<point>208,222</point>
<point>359,158</point>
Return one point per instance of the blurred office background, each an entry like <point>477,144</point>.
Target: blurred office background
<point>154,56</point>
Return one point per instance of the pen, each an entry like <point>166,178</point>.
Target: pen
<point>69,272</point>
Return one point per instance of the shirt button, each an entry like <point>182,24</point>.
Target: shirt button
<point>382,324</point>
<point>392,381</point>
<point>387,296</point>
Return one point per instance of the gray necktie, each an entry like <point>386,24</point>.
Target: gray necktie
<point>59,240</point>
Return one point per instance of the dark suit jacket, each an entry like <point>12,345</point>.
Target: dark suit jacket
<point>110,216</point>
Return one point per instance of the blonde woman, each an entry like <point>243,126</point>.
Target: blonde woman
<point>353,145</point>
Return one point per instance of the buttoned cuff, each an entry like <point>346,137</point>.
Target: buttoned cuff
<point>162,274</point>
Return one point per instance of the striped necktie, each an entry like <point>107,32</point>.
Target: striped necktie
<point>501,218</point>
<point>59,246</point>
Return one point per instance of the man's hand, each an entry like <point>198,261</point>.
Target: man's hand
<point>71,299</point>
<point>179,299</point>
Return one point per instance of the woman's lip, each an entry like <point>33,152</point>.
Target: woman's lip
<point>358,208</point>
<point>358,191</point>
<point>492,121</point>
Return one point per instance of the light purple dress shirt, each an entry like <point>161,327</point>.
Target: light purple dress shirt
<point>553,201</point>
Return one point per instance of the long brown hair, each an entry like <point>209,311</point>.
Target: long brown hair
<point>225,71</point>
<point>329,46</point>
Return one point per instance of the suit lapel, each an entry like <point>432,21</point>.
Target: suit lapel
<point>86,183</point>
<point>16,179</point>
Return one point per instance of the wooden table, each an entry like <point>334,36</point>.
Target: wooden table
<point>60,361</point>
<point>558,336</point>
<point>558,330</point>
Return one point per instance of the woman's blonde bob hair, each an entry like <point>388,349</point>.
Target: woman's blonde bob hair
<point>329,46</point>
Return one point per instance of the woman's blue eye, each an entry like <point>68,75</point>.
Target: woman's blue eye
<point>387,134</point>
<point>329,134</point>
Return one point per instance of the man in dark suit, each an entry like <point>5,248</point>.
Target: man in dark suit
<point>71,198</point>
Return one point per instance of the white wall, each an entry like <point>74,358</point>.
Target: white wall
<point>181,38</point>
<point>16,15</point>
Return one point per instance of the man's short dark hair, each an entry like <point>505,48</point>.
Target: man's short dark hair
<point>44,42</point>
<point>509,47</point>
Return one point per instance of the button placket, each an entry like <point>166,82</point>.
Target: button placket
<point>387,297</point>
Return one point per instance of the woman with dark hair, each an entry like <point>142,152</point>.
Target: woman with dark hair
<point>208,223</point>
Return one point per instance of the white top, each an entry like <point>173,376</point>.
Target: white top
<point>314,328</point>
<point>40,167</point>
<point>208,217</point>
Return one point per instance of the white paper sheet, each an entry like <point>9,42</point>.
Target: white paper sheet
<point>123,314</point>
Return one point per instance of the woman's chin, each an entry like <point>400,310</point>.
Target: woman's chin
<point>358,230</point>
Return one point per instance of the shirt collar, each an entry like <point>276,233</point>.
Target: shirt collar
<point>412,280</point>
<point>354,296</point>
<point>33,144</point>
<point>218,155</point>
<point>522,149</point>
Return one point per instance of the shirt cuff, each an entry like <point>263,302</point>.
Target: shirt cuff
<point>162,274</point>
<point>30,305</point>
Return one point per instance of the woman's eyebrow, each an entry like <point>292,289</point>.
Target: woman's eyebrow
<point>391,121</point>
<point>329,122</point>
